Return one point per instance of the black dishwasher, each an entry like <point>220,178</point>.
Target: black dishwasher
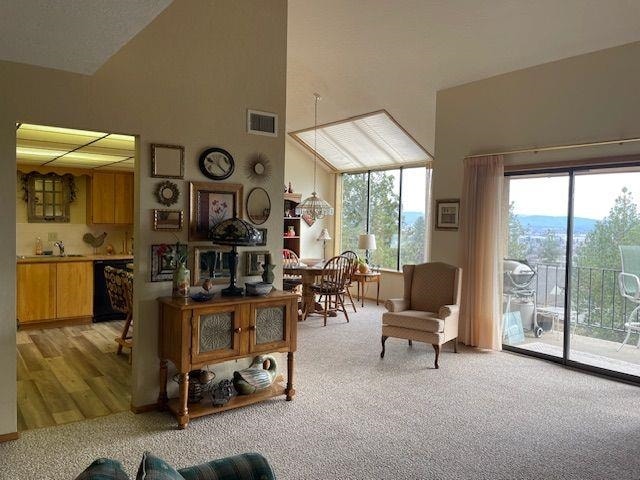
<point>102,310</point>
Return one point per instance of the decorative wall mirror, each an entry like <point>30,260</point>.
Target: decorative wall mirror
<point>258,205</point>
<point>167,161</point>
<point>168,219</point>
<point>167,193</point>
<point>48,197</point>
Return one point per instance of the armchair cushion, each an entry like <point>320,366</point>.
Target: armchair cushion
<point>414,320</point>
<point>396,304</point>
<point>448,311</point>
<point>432,285</point>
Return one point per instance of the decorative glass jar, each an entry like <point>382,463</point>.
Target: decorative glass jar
<point>181,281</point>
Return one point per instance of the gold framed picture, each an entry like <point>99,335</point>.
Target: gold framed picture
<point>212,202</point>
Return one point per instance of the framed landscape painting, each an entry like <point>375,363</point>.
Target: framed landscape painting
<point>448,214</point>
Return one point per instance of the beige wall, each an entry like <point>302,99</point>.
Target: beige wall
<point>70,233</point>
<point>581,99</point>
<point>187,79</point>
<point>298,169</point>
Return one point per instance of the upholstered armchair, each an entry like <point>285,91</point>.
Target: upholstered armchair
<point>428,311</point>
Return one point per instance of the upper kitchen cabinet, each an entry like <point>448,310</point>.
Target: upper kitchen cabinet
<point>110,198</point>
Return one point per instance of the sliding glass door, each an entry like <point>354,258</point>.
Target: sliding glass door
<point>563,294</point>
<point>534,267</point>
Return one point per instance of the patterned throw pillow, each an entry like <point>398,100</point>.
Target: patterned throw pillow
<point>249,466</point>
<point>104,469</point>
<point>154,468</point>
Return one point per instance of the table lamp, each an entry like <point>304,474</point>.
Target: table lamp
<point>324,236</point>
<point>367,241</point>
<point>235,232</point>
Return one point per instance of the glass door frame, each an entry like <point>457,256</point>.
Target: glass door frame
<point>571,171</point>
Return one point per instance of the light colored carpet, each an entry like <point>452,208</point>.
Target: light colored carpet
<point>482,416</point>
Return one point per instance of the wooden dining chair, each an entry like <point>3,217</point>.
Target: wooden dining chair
<point>290,283</point>
<point>120,289</point>
<point>332,285</point>
<point>353,268</point>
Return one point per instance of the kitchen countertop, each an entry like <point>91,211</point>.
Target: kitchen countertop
<point>70,258</point>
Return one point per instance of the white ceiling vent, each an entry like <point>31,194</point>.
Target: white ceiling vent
<point>262,123</point>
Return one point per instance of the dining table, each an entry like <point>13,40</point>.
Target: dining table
<point>308,273</point>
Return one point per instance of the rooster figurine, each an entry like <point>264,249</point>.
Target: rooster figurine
<point>94,241</point>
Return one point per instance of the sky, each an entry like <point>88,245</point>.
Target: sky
<point>594,196</point>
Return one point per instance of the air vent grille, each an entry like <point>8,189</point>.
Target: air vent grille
<point>262,123</point>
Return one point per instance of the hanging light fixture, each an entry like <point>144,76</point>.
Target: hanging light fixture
<point>314,206</point>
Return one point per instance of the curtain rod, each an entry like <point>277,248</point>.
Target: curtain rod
<point>559,147</point>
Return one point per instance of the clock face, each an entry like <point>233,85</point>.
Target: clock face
<point>216,163</point>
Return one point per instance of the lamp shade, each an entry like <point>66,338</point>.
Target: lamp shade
<point>367,241</point>
<point>234,231</point>
<point>324,235</point>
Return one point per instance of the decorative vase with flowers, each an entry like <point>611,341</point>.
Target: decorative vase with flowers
<point>176,256</point>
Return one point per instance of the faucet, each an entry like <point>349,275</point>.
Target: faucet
<point>60,245</point>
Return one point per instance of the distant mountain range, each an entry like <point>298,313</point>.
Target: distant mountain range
<point>542,223</point>
<point>411,217</point>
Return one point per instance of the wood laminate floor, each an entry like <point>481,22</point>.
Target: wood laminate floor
<point>70,374</point>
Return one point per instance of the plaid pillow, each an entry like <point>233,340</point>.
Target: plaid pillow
<point>154,468</point>
<point>248,466</point>
<point>103,469</point>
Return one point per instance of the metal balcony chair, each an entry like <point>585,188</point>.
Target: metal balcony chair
<point>120,289</point>
<point>629,284</point>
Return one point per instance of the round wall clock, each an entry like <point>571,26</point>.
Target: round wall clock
<point>216,163</point>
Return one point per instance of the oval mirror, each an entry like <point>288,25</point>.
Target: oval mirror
<point>258,206</point>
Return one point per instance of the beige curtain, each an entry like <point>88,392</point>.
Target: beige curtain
<point>480,230</point>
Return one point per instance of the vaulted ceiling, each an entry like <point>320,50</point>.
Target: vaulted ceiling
<point>359,55</point>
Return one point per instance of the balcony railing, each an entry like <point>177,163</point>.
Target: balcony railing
<point>596,303</point>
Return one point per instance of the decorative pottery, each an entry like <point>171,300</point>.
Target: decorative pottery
<point>199,382</point>
<point>363,268</point>
<point>258,288</point>
<point>258,376</point>
<point>291,231</point>
<point>181,279</point>
<point>222,393</point>
<point>202,296</point>
<point>267,272</point>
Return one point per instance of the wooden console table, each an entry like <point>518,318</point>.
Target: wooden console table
<point>195,334</point>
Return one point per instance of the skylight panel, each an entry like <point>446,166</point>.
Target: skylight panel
<point>370,141</point>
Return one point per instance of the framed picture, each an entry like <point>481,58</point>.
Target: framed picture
<point>210,263</point>
<point>167,161</point>
<point>253,262</point>
<point>167,220</point>
<point>212,202</point>
<point>162,261</point>
<point>448,214</point>
<point>263,237</point>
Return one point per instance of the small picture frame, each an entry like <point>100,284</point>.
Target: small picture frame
<point>448,214</point>
<point>210,263</point>
<point>167,161</point>
<point>211,203</point>
<point>162,261</point>
<point>263,237</point>
<point>253,262</point>
<point>168,220</point>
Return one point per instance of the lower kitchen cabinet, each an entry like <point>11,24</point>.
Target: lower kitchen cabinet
<point>52,291</point>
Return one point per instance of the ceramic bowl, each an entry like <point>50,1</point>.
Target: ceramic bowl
<point>201,296</point>
<point>258,288</point>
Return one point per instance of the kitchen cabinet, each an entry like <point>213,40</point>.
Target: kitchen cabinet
<point>193,335</point>
<point>110,198</point>
<point>54,291</point>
